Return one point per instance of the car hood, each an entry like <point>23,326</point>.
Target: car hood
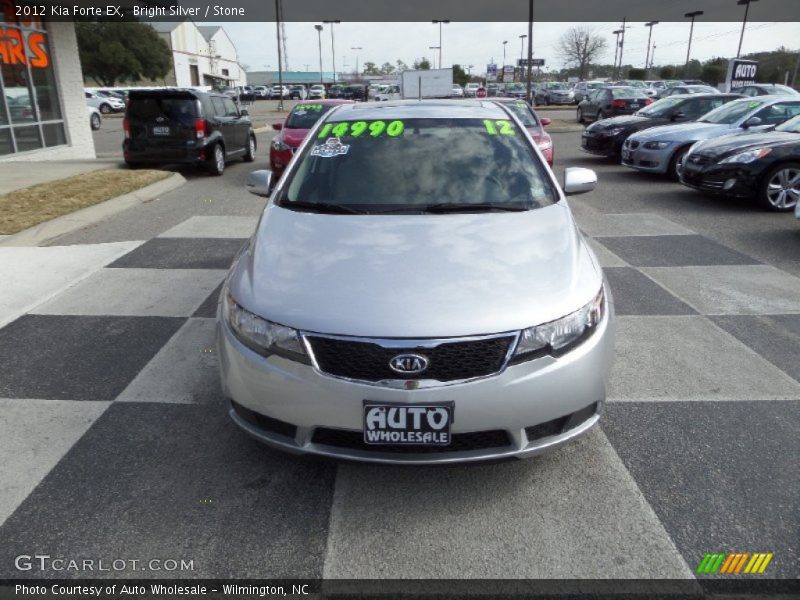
<point>627,121</point>
<point>740,143</point>
<point>415,275</point>
<point>294,137</point>
<point>683,132</point>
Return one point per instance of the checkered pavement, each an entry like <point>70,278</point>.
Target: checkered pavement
<point>116,442</point>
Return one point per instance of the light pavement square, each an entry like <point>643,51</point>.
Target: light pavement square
<point>690,358</point>
<point>185,370</point>
<point>34,436</point>
<point>606,257</point>
<point>213,227</point>
<point>137,292</point>
<point>573,513</point>
<point>732,290</point>
<point>40,273</point>
<point>629,224</point>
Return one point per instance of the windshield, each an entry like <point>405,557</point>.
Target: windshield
<point>662,107</point>
<point>627,92</point>
<point>730,113</point>
<point>791,126</point>
<point>171,108</point>
<point>413,165</point>
<point>778,90</point>
<point>304,116</point>
<point>523,113</point>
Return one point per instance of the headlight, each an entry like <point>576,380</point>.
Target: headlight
<point>556,337</point>
<point>545,145</point>
<point>279,145</point>
<point>746,157</point>
<point>262,336</point>
<point>656,145</point>
<point>615,131</point>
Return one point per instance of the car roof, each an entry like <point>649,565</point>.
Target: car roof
<point>708,95</point>
<point>422,109</point>
<point>325,102</point>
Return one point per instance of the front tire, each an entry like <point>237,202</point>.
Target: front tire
<point>780,188</point>
<point>95,122</point>
<point>216,164</point>
<point>675,162</point>
<point>580,116</point>
<point>250,153</point>
<point>105,108</point>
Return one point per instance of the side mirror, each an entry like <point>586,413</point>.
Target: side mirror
<point>545,121</point>
<point>259,182</point>
<point>244,112</point>
<point>277,126</point>
<point>752,122</point>
<point>678,115</point>
<point>578,180</point>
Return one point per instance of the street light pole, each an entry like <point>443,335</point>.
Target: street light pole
<point>278,16</point>
<point>528,95</point>
<point>319,39</point>
<point>744,22</point>
<point>521,50</point>
<point>692,16</point>
<point>357,48</point>
<point>333,48</point>
<point>622,44</point>
<point>440,22</point>
<point>434,55</point>
<point>504,52</point>
<point>649,36</point>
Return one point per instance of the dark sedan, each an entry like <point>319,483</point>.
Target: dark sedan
<point>767,89</point>
<point>763,166</point>
<point>607,136</point>
<point>611,102</point>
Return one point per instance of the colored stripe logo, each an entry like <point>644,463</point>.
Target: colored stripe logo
<point>734,563</point>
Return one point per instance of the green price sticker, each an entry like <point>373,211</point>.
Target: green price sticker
<point>499,127</point>
<point>753,104</point>
<point>361,128</point>
<point>310,107</point>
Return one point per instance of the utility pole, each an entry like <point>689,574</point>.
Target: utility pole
<point>622,44</point>
<point>530,51</point>
<point>744,22</point>
<point>691,15</point>
<point>440,22</point>
<point>616,53</point>
<point>504,52</point>
<point>278,17</point>
<point>521,50</point>
<point>319,40</point>
<point>333,48</point>
<point>357,48</point>
<point>649,36</point>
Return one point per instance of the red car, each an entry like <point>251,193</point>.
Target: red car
<point>294,130</point>
<point>533,123</point>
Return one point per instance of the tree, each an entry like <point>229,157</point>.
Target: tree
<point>387,68</point>
<point>401,66</point>
<point>370,69</point>
<point>422,64</point>
<point>460,76</point>
<point>579,46</point>
<point>667,72</point>
<point>636,74</point>
<point>112,52</point>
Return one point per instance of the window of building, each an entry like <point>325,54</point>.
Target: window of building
<point>225,72</point>
<point>30,110</point>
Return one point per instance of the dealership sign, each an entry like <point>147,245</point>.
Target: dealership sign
<point>740,73</point>
<point>491,72</point>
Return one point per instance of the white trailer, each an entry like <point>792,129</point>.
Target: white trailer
<point>430,83</point>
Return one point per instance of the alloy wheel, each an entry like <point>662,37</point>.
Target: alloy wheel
<point>783,189</point>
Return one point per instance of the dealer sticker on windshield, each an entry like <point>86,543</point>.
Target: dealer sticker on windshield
<point>332,147</point>
<point>404,424</point>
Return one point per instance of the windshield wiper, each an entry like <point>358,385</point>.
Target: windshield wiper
<point>321,207</point>
<point>451,207</point>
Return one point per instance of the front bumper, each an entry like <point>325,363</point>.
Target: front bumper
<point>600,144</point>
<point>723,180</point>
<point>532,407</point>
<point>642,159</point>
<point>561,100</point>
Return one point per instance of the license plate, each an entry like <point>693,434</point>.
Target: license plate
<point>407,424</point>
<point>160,130</point>
<point>626,154</point>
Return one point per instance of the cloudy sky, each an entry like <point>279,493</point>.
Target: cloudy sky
<point>478,43</point>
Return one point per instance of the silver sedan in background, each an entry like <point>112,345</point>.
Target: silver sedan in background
<point>417,291</point>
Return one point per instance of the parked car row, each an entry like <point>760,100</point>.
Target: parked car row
<point>720,143</point>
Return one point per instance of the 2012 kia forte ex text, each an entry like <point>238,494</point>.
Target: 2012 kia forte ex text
<point>416,291</point>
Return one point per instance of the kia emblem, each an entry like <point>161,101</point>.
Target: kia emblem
<point>408,364</point>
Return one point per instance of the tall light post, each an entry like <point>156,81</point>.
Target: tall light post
<point>744,22</point>
<point>333,48</point>
<point>357,48</point>
<point>319,39</point>
<point>622,44</point>
<point>278,17</point>
<point>616,52</point>
<point>434,56</point>
<point>649,36</point>
<point>440,22</point>
<point>504,52</point>
<point>692,16</point>
<point>521,51</point>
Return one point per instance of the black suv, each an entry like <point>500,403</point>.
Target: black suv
<point>188,127</point>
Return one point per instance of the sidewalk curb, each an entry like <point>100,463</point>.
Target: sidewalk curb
<point>44,232</point>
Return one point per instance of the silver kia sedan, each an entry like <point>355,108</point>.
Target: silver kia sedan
<point>416,291</point>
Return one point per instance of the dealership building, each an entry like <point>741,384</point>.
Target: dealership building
<point>43,114</point>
